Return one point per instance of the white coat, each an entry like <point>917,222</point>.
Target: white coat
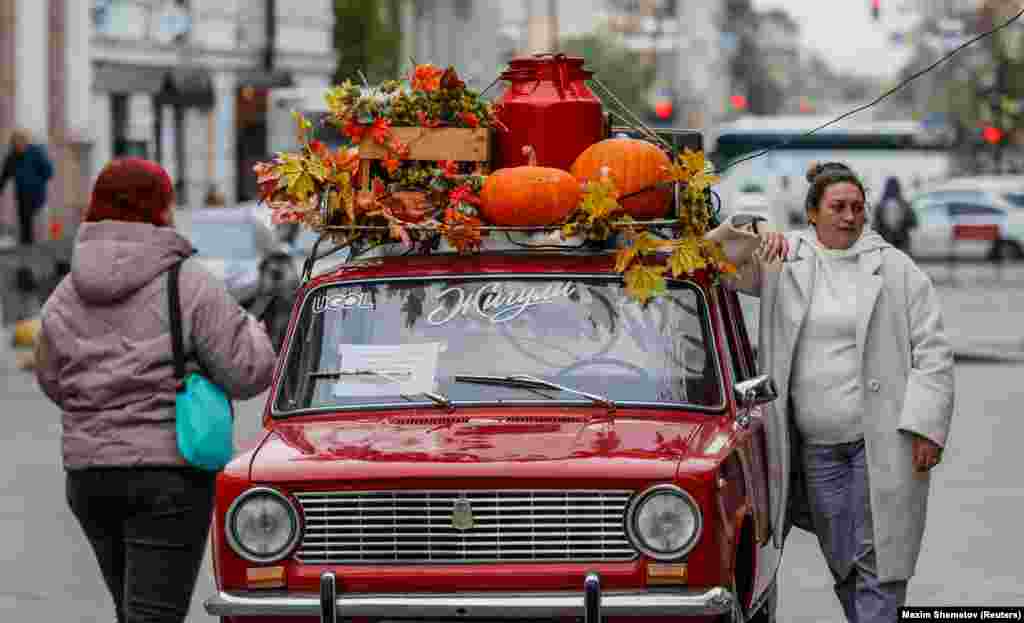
<point>906,373</point>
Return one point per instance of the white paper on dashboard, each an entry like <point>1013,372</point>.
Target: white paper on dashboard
<point>399,368</point>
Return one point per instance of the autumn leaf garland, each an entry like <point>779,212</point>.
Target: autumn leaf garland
<point>600,214</point>
<point>421,201</point>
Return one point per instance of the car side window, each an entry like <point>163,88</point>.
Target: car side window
<point>930,211</point>
<point>960,210</point>
<point>740,351</point>
<point>958,196</point>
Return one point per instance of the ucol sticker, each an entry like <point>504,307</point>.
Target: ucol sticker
<point>498,302</point>
<point>344,300</point>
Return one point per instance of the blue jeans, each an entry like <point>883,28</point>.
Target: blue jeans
<point>840,504</point>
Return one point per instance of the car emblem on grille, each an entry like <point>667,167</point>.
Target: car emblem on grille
<point>462,515</point>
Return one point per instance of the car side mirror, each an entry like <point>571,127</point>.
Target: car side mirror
<point>756,391</point>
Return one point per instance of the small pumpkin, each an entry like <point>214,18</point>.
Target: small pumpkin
<point>528,195</point>
<point>634,165</point>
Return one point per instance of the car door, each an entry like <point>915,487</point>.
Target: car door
<point>976,228</point>
<point>931,238</point>
<point>754,441</point>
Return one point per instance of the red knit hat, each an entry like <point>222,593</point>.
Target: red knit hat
<point>131,189</point>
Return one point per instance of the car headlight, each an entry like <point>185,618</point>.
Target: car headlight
<point>664,522</point>
<point>262,525</point>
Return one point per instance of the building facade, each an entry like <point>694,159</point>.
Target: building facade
<point>462,33</point>
<point>182,82</point>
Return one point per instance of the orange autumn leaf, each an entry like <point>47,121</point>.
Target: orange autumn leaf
<point>381,130</point>
<point>426,77</point>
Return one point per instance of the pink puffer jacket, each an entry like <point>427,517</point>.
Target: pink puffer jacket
<point>105,346</point>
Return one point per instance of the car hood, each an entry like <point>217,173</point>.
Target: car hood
<point>548,444</point>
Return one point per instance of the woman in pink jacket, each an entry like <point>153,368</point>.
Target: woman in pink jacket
<point>104,357</point>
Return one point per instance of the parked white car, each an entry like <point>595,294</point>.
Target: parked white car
<point>231,243</point>
<point>988,209</point>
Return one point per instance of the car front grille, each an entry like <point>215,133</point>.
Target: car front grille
<point>464,526</point>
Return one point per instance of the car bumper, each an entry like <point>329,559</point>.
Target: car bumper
<point>588,603</point>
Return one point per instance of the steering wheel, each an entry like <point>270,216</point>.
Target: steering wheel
<point>598,361</point>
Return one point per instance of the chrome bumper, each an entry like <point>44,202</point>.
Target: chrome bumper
<point>589,602</point>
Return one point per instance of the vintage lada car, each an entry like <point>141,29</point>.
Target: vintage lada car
<point>503,436</point>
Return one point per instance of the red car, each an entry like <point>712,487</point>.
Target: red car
<point>504,436</point>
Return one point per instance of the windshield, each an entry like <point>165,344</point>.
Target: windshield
<point>390,343</point>
<point>230,240</point>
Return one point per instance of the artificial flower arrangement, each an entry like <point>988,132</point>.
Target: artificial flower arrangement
<point>379,191</point>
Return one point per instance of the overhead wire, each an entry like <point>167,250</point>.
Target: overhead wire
<point>881,97</point>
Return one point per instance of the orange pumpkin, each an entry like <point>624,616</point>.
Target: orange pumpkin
<point>634,166</point>
<point>529,195</point>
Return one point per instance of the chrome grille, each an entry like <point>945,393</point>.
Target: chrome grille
<point>508,526</point>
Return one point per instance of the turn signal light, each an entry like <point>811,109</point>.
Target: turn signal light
<point>660,573</point>
<point>265,577</point>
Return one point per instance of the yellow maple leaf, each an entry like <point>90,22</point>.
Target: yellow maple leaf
<point>646,244</point>
<point>316,168</point>
<point>692,160</point>
<point>687,257</point>
<point>644,282</point>
<point>624,257</point>
<point>600,200</point>
<point>677,172</point>
<point>301,185</point>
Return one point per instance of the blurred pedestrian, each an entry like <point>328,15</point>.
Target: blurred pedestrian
<point>104,357</point>
<point>275,295</point>
<point>851,331</point>
<point>31,169</point>
<point>786,208</point>
<point>893,218</point>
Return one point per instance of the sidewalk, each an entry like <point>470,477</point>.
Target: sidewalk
<point>42,259</point>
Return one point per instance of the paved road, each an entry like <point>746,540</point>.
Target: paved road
<point>972,550</point>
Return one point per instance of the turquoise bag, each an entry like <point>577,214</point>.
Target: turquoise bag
<point>203,413</point>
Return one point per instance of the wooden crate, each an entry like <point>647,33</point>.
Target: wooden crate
<point>461,144</point>
<point>464,144</point>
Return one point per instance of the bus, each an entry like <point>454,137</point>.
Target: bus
<point>915,153</point>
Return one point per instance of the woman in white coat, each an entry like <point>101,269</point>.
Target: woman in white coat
<point>852,333</point>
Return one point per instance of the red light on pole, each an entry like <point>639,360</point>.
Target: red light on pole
<point>876,9</point>
<point>663,109</point>
<point>992,135</point>
<point>739,102</point>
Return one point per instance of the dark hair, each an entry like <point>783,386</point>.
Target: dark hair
<point>131,189</point>
<point>822,175</point>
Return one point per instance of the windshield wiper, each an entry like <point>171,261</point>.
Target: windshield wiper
<point>532,382</point>
<point>391,375</point>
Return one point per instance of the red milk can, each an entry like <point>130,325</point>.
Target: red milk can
<point>548,106</point>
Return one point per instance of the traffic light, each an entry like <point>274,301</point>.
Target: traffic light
<point>739,102</point>
<point>876,9</point>
<point>992,135</point>
<point>664,109</point>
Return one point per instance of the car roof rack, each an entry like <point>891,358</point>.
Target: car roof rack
<point>537,239</point>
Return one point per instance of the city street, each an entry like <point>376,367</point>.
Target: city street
<point>972,544</point>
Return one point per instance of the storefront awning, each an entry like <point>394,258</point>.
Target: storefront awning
<point>189,87</point>
<point>117,78</point>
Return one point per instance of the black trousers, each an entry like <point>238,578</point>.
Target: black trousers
<point>148,528</point>
<point>28,206</point>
